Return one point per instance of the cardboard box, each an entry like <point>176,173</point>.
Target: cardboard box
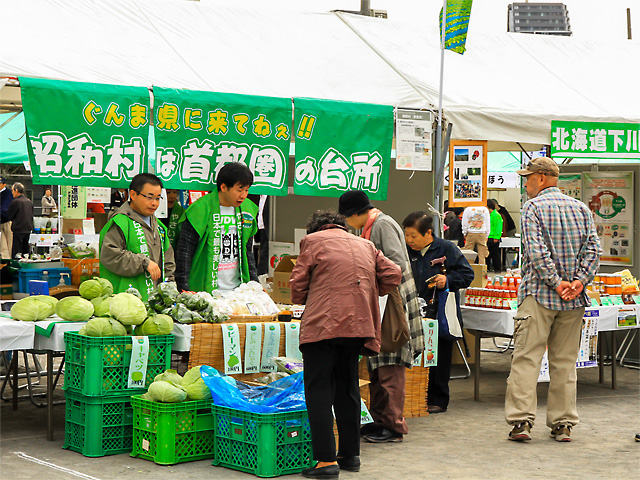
<point>456,358</point>
<point>70,225</point>
<point>480,272</point>
<point>281,275</point>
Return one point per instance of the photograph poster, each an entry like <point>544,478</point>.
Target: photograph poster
<point>413,140</point>
<point>467,173</point>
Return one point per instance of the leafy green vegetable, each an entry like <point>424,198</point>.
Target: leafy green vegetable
<point>32,309</point>
<point>134,291</point>
<point>157,325</point>
<point>97,327</point>
<point>182,314</point>
<point>169,376</point>
<point>166,392</point>
<point>168,292</point>
<point>101,306</point>
<point>119,330</point>
<point>128,309</point>
<point>90,289</point>
<point>198,390</point>
<point>107,288</point>
<point>192,375</point>
<point>75,309</point>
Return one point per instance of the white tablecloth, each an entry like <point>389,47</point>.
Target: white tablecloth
<point>510,242</point>
<point>55,341</point>
<point>16,335</point>
<point>501,321</point>
<point>182,342</point>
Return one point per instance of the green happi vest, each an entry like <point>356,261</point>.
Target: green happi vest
<point>204,216</point>
<point>174,218</point>
<point>136,243</point>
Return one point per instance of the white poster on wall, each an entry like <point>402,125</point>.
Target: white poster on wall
<point>413,140</point>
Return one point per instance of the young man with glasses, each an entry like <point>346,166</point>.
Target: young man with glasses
<point>134,247</point>
<point>214,249</point>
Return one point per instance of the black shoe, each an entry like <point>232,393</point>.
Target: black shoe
<point>350,464</point>
<point>384,436</point>
<point>330,471</point>
<point>369,428</point>
<point>435,409</point>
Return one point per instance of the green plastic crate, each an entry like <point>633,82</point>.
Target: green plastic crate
<point>265,444</point>
<point>170,433</point>
<point>98,366</point>
<point>98,426</point>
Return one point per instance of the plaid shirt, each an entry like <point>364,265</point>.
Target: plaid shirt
<point>559,243</point>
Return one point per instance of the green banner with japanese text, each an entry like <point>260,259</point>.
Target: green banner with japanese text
<point>595,140</point>
<point>342,146</point>
<point>197,133</point>
<point>85,133</point>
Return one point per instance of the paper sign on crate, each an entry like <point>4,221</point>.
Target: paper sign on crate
<point>430,355</point>
<point>253,342</point>
<point>270,347</point>
<point>231,347</point>
<point>292,340</point>
<point>138,365</point>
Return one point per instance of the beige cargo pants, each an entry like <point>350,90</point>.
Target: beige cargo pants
<point>535,329</point>
<point>478,240</point>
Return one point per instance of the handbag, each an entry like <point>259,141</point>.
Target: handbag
<point>395,326</point>
<point>448,321</point>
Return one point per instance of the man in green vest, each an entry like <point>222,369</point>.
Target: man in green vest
<point>174,212</point>
<point>134,246</point>
<point>214,250</point>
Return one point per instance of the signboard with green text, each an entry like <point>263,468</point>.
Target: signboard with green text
<point>197,133</point>
<point>342,146</point>
<point>85,133</point>
<point>595,140</point>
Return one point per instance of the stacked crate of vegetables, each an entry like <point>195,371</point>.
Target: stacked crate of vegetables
<point>98,385</point>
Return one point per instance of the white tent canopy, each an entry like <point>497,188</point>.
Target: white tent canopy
<point>506,88</point>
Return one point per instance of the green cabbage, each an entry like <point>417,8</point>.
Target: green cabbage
<point>128,309</point>
<point>75,309</point>
<point>107,288</point>
<point>47,299</point>
<point>157,325</point>
<point>198,390</point>
<point>119,330</point>
<point>166,392</point>
<point>97,327</point>
<point>101,306</point>
<point>90,289</point>
<point>192,375</point>
<point>169,376</point>
<point>32,309</point>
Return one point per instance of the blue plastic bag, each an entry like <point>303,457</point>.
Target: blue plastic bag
<point>284,395</point>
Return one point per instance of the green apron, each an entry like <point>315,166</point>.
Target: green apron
<point>204,216</point>
<point>136,243</point>
<point>174,218</point>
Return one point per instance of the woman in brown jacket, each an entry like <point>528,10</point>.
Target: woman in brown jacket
<point>339,277</point>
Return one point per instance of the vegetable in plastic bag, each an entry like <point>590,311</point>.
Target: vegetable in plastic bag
<point>182,314</point>
<point>193,301</point>
<point>75,309</point>
<point>32,309</point>
<point>101,306</point>
<point>198,390</point>
<point>133,291</point>
<point>288,365</point>
<point>168,292</point>
<point>128,309</point>
<point>90,289</point>
<point>156,325</point>
<point>166,392</point>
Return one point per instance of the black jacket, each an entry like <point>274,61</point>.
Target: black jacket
<point>21,214</point>
<point>459,272</point>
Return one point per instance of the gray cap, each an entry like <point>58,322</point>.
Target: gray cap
<point>540,165</point>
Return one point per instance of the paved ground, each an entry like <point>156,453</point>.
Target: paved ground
<point>467,442</point>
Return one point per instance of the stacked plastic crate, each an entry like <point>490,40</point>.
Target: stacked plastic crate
<point>99,414</point>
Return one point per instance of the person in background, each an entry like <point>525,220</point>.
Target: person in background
<point>423,247</point>
<point>454,223</point>
<point>338,277</point>
<point>20,214</point>
<point>508,225</point>
<point>493,242</point>
<point>49,206</point>
<point>387,371</point>
<point>476,226</point>
<point>134,246</point>
<point>174,213</point>
<point>561,255</point>
<point>6,235</point>
<point>118,198</point>
<point>215,237</point>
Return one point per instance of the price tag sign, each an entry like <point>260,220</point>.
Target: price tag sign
<point>594,302</point>
<point>606,301</point>
<point>617,300</point>
<point>513,304</point>
<point>138,367</point>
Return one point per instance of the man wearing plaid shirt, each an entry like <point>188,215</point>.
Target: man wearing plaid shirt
<point>561,254</point>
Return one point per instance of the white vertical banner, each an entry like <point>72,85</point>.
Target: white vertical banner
<point>231,349</point>
<point>430,330</point>
<point>270,346</point>
<point>252,345</point>
<point>292,340</point>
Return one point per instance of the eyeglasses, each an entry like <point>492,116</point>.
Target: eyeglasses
<point>149,197</point>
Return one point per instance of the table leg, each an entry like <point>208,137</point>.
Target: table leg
<point>613,359</point>
<point>600,357</point>
<point>476,368</point>
<point>49,395</point>
<point>14,369</point>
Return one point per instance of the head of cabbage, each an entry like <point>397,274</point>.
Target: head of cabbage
<point>34,308</point>
<point>103,327</point>
<point>75,309</point>
<point>96,287</point>
<point>128,309</point>
<point>107,288</point>
<point>101,306</point>
<point>156,325</point>
<point>166,392</point>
